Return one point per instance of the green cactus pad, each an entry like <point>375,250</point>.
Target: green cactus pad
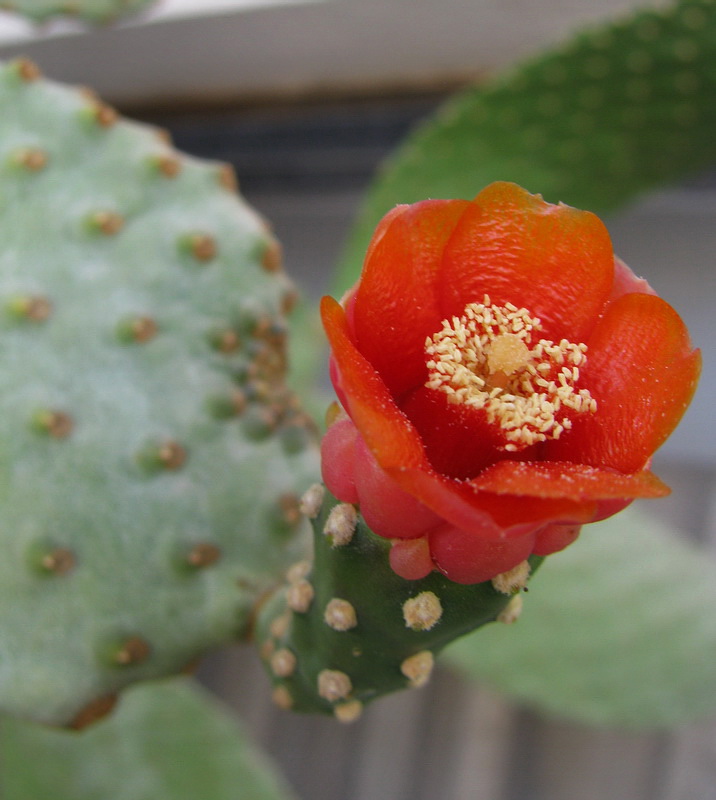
<point>93,11</point>
<point>151,457</point>
<point>346,629</point>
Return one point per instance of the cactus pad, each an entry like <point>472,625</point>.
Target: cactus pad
<point>346,629</point>
<point>151,455</point>
<point>93,11</point>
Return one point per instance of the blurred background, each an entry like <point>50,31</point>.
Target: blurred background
<point>305,99</point>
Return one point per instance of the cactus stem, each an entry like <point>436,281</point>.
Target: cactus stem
<point>225,341</point>
<point>422,612</point>
<point>105,116</point>
<point>340,615</point>
<point>227,406</point>
<point>168,166</point>
<point>267,649</point>
<point>279,625</point>
<point>418,668</point>
<point>31,158</point>
<point>203,555</point>
<point>312,500</point>
<point>168,455</point>
<point>134,650</point>
<point>110,223</point>
<point>298,571</point>
<point>511,612</point>
<point>334,685</point>
<point>341,524</point>
<point>514,580</point>
<point>272,257</point>
<point>289,301</point>
<point>300,596</point>
<point>35,309</point>
<point>139,329</point>
<point>99,708</point>
<point>282,698</point>
<point>228,179</point>
<point>58,561</point>
<point>57,424</point>
<point>201,246</point>
<point>283,663</point>
<point>289,505</point>
<point>348,712</point>
<point>27,70</point>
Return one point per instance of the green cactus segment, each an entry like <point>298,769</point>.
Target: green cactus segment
<point>615,111</point>
<point>346,629</point>
<point>167,741</point>
<point>92,11</point>
<point>151,456</point>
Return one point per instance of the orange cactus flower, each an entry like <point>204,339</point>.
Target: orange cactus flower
<point>505,380</point>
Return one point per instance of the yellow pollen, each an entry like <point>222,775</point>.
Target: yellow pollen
<point>491,358</point>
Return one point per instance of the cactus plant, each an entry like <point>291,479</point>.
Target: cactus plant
<point>92,11</point>
<point>346,629</point>
<point>152,456</point>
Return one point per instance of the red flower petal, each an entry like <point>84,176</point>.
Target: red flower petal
<point>458,439</point>
<point>396,305</point>
<point>468,557</point>
<point>559,479</point>
<point>642,372</point>
<point>555,261</point>
<point>385,429</point>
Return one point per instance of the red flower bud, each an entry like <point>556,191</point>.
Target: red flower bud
<point>506,380</point>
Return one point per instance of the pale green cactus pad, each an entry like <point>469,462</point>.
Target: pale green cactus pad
<point>151,457</point>
<point>93,11</point>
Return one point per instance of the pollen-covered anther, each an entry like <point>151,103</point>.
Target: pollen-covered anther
<point>283,663</point>
<point>490,359</point>
<point>514,580</point>
<point>341,524</point>
<point>418,668</point>
<point>422,612</point>
<point>511,612</point>
<point>312,500</point>
<point>300,596</point>
<point>340,615</point>
<point>334,685</point>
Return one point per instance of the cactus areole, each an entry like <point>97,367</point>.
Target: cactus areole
<point>506,379</point>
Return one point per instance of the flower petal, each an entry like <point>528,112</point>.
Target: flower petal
<point>559,479</point>
<point>385,429</point>
<point>468,557</point>
<point>553,260</point>
<point>642,372</point>
<point>396,305</point>
<point>458,439</point>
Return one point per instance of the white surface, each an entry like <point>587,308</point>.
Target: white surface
<point>308,46</point>
<point>14,29</point>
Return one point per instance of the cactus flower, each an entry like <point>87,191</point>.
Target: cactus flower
<point>505,379</point>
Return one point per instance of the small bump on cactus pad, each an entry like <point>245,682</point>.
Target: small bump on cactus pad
<point>151,456</point>
<point>93,11</point>
<point>346,629</point>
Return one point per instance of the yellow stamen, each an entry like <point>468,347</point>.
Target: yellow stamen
<point>487,359</point>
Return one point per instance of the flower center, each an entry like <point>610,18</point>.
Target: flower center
<point>486,359</point>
